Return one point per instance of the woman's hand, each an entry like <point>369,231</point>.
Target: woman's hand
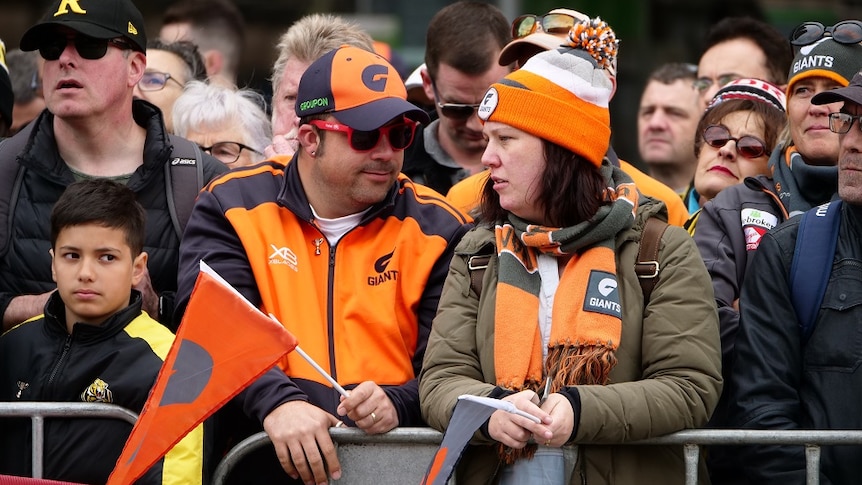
<point>562,420</point>
<point>515,431</point>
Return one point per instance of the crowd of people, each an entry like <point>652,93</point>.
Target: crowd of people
<point>476,234</point>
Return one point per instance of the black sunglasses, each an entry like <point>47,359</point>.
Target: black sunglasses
<point>455,111</point>
<point>87,47</point>
<point>845,32</point>
<point>748,146</point>
<point>400,135</point>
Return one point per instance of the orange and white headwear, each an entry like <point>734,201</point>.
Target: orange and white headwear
<point>562,95</point>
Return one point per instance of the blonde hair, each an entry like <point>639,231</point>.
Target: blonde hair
<point>312,36</point>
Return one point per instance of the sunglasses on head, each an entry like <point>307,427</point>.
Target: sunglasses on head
<point>845,32</point>
<point>552,23</point>
<point>455,111</point>
<point>400,135</point>
<point>748,146</point>
<point>87,47</point>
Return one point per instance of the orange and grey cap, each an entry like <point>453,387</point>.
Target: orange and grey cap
<point>360,88</point>
<point>101,19</point>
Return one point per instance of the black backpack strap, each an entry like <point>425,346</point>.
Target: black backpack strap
<point>11,175</point>
<point>647,266</point>
<point>184,178</point>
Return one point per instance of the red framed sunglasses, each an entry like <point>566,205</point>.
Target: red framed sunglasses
<point>400,135</point>
<point>748,146</point>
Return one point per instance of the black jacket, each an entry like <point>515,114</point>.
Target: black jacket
<point>115,363</point>
<point>780,383</point>
<point>26,266</point>
<point>423,169</point>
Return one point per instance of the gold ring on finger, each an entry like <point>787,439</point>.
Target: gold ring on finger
<point>373,418</point>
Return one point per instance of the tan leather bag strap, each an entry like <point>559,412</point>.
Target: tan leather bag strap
<point>647,267</point>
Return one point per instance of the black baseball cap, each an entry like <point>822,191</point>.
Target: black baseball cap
<point>100,19</point>
<point>852,92</point>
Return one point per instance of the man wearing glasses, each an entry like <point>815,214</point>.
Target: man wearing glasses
<point>462,45</point>
<point>794,371</point>
<point>741,47</point>
<point>92,127</point>
<point>346,252</point>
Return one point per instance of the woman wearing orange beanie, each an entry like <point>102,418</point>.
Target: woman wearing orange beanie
<point>559,325</point>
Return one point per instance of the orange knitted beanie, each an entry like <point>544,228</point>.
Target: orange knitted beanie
<point>561,95</point>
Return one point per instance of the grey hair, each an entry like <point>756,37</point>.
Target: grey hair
<point>204,107</point>
<point>312,36</point>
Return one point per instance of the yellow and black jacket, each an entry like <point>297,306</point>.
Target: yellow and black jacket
<point>115,363</point>
<point>361,308</point>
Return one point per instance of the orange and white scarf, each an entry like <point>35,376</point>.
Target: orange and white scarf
<point>586,318</point>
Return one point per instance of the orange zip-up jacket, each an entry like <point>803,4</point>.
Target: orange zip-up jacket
<point>362,309</point>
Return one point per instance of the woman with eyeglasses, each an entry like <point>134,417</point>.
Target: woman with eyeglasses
<point>557,324</point>
<point>170,65</point>
<point>226,122</point>
<point>801,174</point>
<point>735,136</point>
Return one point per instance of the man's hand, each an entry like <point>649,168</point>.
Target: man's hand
<point>370,408</point>
<point>282,145</point>
<point>24,307</point>
<point>149,295</point>
<point>300,434</point>
<point>515,431</point>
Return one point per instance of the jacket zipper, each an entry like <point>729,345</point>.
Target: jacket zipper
<point>330,320</point>
<point>67,344</point>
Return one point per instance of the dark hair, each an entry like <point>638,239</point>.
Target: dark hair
<point>672,72</point>
<point>773,120</point>
<point>775,47</point>
<point>571,189</point>
<point>24,74</point>
<point>188,52</point>
<point>104,202</point>
<point>467,36</point>
<point>217,24</point>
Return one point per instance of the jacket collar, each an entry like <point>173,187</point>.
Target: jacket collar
<point>41,154</point>
<point>292,194</point>
<point>55,319</point>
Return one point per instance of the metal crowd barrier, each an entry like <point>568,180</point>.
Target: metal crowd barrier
<point>407,452</point>
<point>403,454</point>
<point>38,411</point>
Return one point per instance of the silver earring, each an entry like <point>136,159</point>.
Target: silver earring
<point>313,152</point>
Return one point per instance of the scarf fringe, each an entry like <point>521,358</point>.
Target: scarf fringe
<point>579,364</point>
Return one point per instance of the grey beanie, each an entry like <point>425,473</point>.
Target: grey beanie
<point>825,58</point>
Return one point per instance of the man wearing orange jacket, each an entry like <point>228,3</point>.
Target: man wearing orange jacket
<point>345,251</point>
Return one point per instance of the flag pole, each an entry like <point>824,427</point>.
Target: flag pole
<point>314,364</point>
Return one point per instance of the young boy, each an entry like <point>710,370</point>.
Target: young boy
<point>92,344</point>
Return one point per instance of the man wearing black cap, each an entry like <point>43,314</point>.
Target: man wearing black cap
<point>94,54</point>
<point>798,349</point>
<point>341,248</point>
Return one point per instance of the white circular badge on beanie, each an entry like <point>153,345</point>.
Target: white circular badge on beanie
<point>488,104</point>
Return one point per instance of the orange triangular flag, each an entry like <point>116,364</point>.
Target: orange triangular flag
<point>209,363</point>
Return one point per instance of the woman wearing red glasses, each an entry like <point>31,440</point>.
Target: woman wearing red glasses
<point>735,136</point>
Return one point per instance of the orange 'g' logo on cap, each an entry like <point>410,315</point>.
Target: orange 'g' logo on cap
<point>374,77</point>
<point>66,5</point>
